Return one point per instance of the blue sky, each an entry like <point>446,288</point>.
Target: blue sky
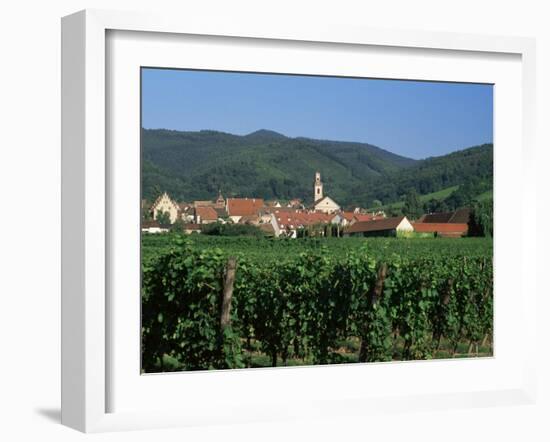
<point>410,118</point>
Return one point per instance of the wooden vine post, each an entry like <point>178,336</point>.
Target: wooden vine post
<point>228,283</point>
<point>374,296</point>
<point>376,292</point>
<point>225,314</point>
<point>445,299</point>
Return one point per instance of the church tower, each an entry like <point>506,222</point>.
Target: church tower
<point>220,202</point>
<point>317,187</point>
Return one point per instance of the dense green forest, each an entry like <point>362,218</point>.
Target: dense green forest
<point>266,164</point>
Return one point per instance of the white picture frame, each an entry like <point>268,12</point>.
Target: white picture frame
<point>86,316</point>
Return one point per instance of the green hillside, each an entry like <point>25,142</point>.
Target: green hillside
<point>438,195</point>
<point>266,164</point>
<point>473,166</point>
<point>485,195</point>
<point>194,165</point>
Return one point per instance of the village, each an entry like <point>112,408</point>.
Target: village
<point>295,218</point>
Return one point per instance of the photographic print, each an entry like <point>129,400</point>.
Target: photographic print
<point>300,220</point>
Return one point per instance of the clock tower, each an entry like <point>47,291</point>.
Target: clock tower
<point>317,187</point>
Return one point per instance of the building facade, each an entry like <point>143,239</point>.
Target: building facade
<point>165,204</point>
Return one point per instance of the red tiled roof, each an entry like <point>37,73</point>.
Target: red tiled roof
<point>295,219</point>
<point>366,217</point>
<point>206,213</point>
<point>348,216</point>
<point>440,217</point>
<point>221,212</point>
<point>375,225</point>
<point>244,206</point>
<point>441,228</point>
<point>461,216</point>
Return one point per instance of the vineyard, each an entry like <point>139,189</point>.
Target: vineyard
<point>236,302</point>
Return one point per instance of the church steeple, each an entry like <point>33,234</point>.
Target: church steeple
<point>317,187</point>
<point>220,202</point>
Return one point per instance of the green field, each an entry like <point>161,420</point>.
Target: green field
<point>439,195</point>
<point>485,196</point>
<point>313,301</point>
<point>268,249</point>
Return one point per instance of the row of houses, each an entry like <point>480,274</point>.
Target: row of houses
<point>288,224</point>
<point>289,219</point>
<point>272,217</point>
<point>235,210</point>
<point>401,225</point>
<point>278,221</point>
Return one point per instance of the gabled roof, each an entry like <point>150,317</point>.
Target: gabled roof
<point>206,213</point>
<point>461,216</point>
<point>375,225</point>
<point>461,228</point>
<point>440,217</point>
<point>360,217</point>
<point>222,213</point>
<point>160,197</point>
<point>319,201</point>
<point>348,216</point>
<point>244,206</point>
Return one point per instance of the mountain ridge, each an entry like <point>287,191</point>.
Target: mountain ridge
<point>197,164</point>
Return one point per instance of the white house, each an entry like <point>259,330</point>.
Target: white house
<point>326,205</point>
<point>165,204</point>
<point>322,203</point>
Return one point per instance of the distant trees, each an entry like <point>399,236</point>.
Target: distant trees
<point>163,218</point>
<point>376,203</point>
<point>194,165</point>
<point>467,193</point>
<point>412,208</point>
<point>146,214</point>
<point>220,229</point>
<point>481,219</point>
<point>156,192</point>
<point>434,205</point>
<point>178,226</point>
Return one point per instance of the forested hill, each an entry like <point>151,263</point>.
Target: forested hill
<point>471,167</point>
<point>266,164</point>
